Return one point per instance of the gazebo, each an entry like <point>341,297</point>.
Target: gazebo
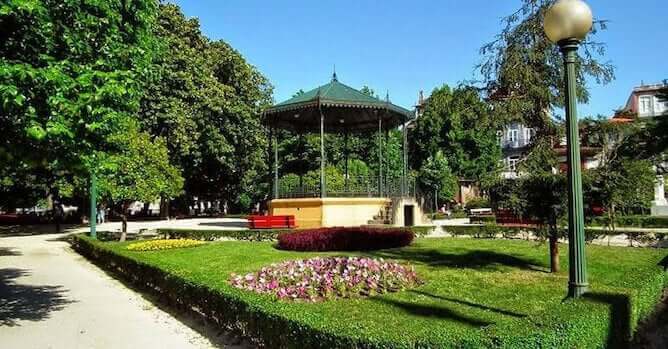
<point>340,109</point>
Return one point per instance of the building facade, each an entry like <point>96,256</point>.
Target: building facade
<point>646,101</point>
<point>515,141</point>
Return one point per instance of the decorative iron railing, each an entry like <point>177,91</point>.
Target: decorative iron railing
<point>351,187</point>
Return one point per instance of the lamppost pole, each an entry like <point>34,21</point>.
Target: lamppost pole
<point>577,280</point>
<point>566,23</point>
<point>93,206</point>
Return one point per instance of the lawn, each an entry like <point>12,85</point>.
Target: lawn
<point>477,293</point>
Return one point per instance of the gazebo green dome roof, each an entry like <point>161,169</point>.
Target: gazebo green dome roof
<point>343,107</point>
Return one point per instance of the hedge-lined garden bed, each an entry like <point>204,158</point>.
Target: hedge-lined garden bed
<point>476,293</point>
<point>249,234</point>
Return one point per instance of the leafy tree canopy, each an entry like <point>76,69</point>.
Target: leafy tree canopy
<point>458,123</point>
<point>435,176</point>
<point>206,101</point>
<point>522,70</point>
<point>71,76</point>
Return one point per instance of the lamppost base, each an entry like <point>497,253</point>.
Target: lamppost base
<point>577,290</point>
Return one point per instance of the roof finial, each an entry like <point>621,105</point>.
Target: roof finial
<point>387,96</point>
<point>334,78</point>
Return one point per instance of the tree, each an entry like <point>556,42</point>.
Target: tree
<point>522,70</point>
<point>435,176</point>
<point>139,172</point>
<point>624,185</point>
<point>458,123</point>
<point>206,101</point>
<point>624,179</point>
<point>62,100</point>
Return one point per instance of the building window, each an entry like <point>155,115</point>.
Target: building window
<point>658,105</point>
<point>512,136</point>
<point>645,104</point>
<point>512,163</point>
<point>528,133</point>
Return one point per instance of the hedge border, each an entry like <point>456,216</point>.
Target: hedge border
<point>635,221</point>
<point>236,315</point>
<point>490,231</point>
<point>226,310</point>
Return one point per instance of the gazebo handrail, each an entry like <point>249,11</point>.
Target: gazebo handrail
<point>355,186</point>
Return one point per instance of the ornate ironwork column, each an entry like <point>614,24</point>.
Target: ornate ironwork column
<point>275,143</point>
<point>323,192</point>
<point>380,156</point>
<point>404,169</point>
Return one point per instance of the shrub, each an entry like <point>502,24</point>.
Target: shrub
<point>211,235</point>
<point>477,203</point>
<point>633,221</point>
<point>345,239</point>
<point>483,219</point>
<point>318,279</point>
<point>156,245</point>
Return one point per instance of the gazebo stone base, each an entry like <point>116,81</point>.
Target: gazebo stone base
<point>330,212</point>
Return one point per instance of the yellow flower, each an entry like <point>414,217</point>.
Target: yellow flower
<point>156,245</point>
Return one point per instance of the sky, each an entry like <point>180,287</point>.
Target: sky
<point>400,47</point>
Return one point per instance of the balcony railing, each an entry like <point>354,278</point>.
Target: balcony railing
<point>519,142</point>
<point>354,187</point>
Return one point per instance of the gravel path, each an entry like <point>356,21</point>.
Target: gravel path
<point>50,297</point>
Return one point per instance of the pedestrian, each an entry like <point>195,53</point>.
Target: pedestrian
<point>100,214</point>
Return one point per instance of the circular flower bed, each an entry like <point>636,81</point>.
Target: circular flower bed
<point>345,239</point>
<point>318,279</point>
<point>156,245</point>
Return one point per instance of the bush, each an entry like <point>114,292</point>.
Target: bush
<point>345,239</point>
<point>491,231</point>
<point>319,279</point>
<point>633,221</point>
<point>211,235</point>
<point>477,203</point>
<point>483,219</point>
<point>156,245</point>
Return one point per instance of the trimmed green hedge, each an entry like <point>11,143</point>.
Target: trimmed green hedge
<point>483,219</point>
<point>489,231</point>
<point>633,221</point>
<point>211,235</point>
<point>630,288</point>
<point>226,310</point>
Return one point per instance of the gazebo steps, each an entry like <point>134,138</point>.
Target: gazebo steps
<point>378,226</point>
<point>375,222</point>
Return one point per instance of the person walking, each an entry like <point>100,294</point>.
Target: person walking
<point>100,214</point>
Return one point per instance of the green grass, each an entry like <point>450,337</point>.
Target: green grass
<point>477,293</point>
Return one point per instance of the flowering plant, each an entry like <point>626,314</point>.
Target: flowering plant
<point>318,279</point>
<point>345,239</point>
<point>156,245</point>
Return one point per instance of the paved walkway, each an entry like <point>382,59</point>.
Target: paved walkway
<point>50,297</point>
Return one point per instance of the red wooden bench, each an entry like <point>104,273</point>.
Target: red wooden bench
<point>271,222</point>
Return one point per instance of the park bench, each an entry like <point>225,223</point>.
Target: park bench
<point>271,222</point>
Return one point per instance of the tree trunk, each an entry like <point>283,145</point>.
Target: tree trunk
<point>164,207</point>
<point>124,222</point>
<point>554,253</point>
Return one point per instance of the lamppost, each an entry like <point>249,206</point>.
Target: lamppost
<point>567,22</point>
